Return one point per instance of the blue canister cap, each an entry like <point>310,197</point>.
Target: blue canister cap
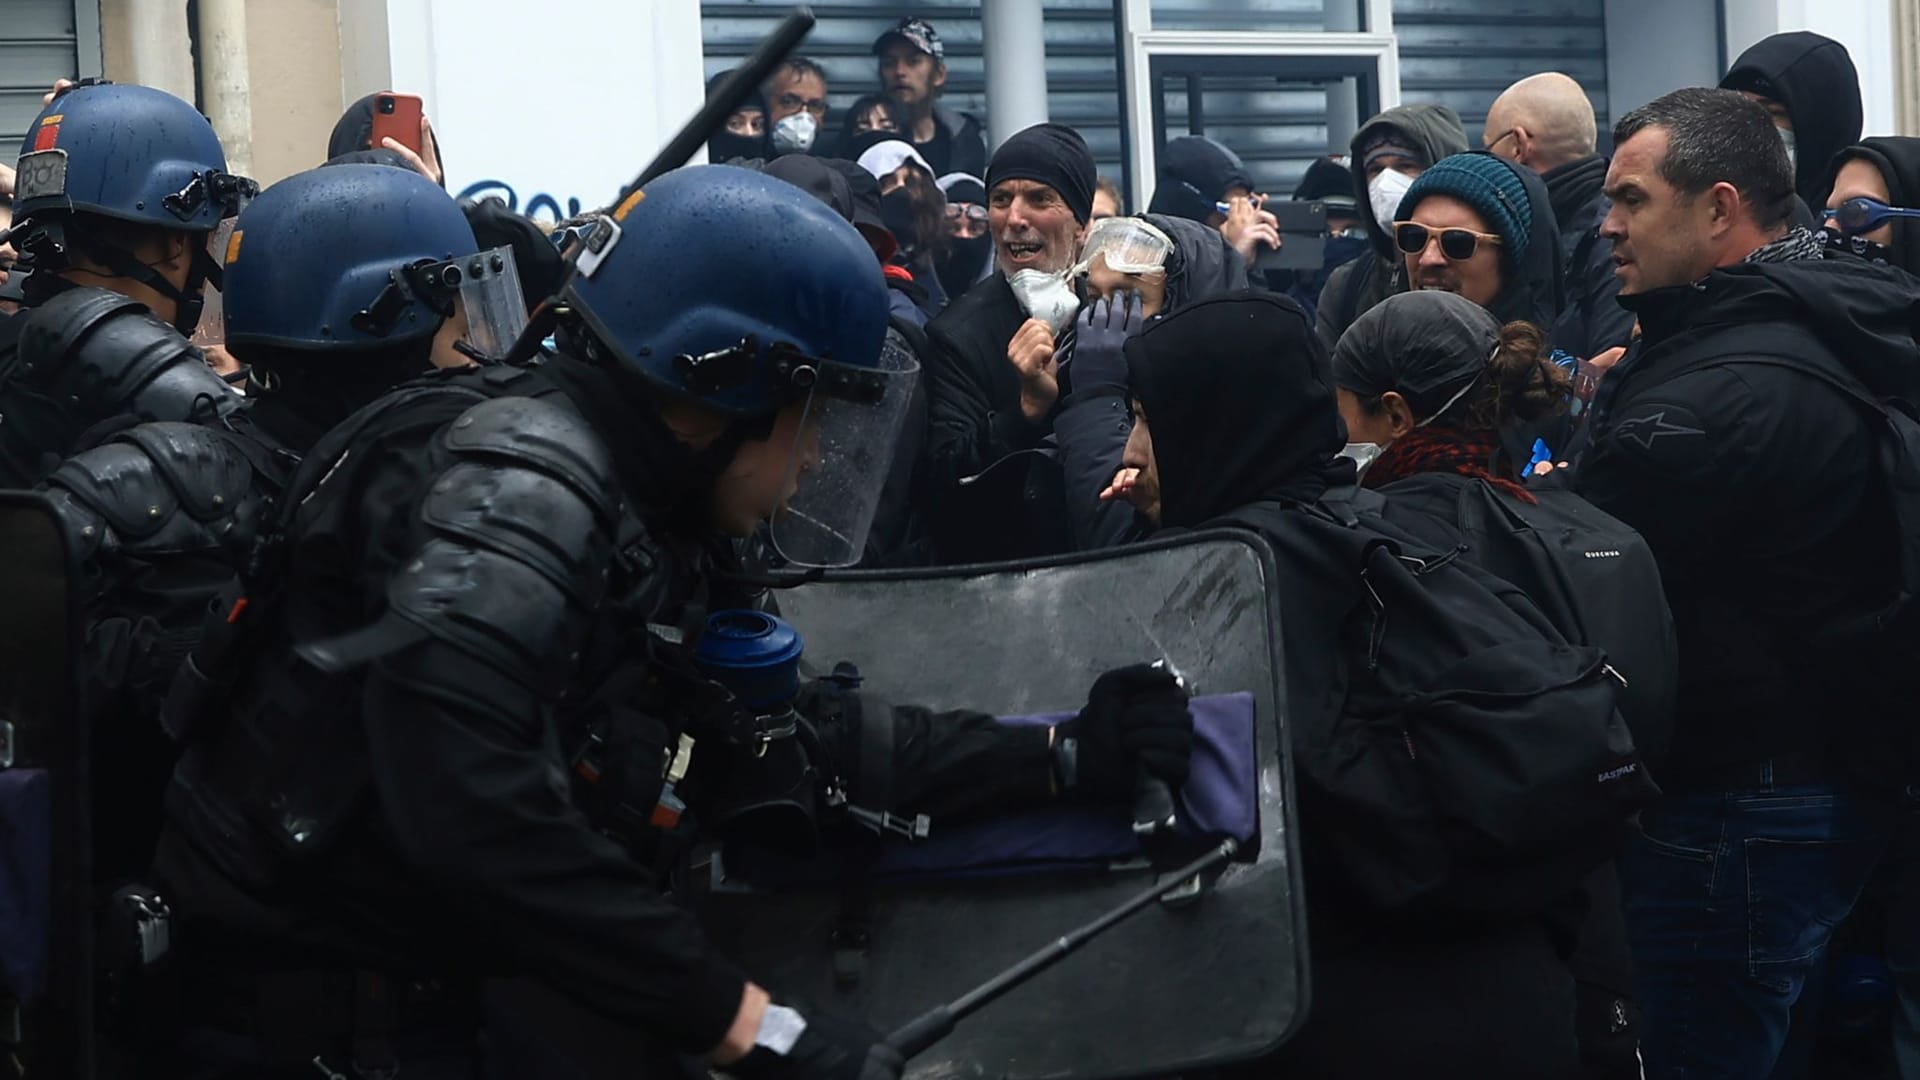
<point>753,654</point>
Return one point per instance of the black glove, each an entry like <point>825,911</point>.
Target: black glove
<point>1099,345</point>
<point>1136,720</point>
<point>830,1048</point>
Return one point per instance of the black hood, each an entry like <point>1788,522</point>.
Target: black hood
<point>1815,79</point>
<point>1203,264</point>
<point>354,132</point>
<point>1434,130</point>
<point>1536,288</point>
<point>1865,312</point>
<point>1240,402</point>
<point>1898,159</point>
<point>1195,173</point>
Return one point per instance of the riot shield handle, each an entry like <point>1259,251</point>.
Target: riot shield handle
<point>938,1022</point>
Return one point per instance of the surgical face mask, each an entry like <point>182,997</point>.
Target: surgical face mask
<point>794,134</point>
<point>1047,297</point>
<point>1384,193</point>
<point>1362,454</point>
<point>1793,151</point>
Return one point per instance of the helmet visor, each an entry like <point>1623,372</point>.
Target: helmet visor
<point>490,295</point>
<point>842,457</point>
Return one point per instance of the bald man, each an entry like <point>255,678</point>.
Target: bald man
<point>1545,122</point>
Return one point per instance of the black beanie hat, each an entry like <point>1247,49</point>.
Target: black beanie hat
<point>1050,154</point>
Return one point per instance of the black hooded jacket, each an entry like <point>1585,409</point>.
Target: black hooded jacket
<point>1755,486</point>
<point>1898,159</point>
<point>1436,132</point>
<point>1815,79</point>
<point>354,131</point>
<point>1241,404</point>
<point>1240,401</point>
<point>1092,429</point>
<point>1592,320</point>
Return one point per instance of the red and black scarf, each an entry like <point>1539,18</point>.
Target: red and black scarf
<point>1440,449</point>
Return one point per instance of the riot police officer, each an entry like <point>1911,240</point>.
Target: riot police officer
<point>352,284</point>
<point>465,684</point>
<point>119,193</point>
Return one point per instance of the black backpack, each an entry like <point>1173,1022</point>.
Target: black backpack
<point>1589,573</point>
<point>1456,755</point>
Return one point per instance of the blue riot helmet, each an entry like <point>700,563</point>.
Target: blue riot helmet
<point>357,257</point>
<point>103,157</point>
<point>744,294</point>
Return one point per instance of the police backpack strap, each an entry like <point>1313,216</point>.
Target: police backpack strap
<point>1476,762</point>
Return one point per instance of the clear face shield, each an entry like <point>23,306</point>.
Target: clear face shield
<point>842,456</point>
<point>487,286</point>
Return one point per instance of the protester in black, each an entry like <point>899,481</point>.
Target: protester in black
<point>1545,123</point>
<point>1236,406</point>
<point>994,377</point>
<point>1810,88</point>
<point>1199,175</point>
<point>913,71</point>
<point>1887,171</point>
<point>1721,439</point>
<point>1404,141</point>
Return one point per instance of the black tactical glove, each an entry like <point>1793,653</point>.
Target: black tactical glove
<point>1136,720</point>
<point>828,1048</point>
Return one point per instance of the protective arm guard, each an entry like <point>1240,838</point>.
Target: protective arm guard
<point>158,516</point>
<point>911,760</point>
<point>88,356</point>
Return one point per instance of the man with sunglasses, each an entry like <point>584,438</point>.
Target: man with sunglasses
<point>1481,226</point>
<point>1387,153</point>
<point>1729,437</point>
<point>1871,209</point>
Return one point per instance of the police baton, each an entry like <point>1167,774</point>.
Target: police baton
<point>712,116</point>
<point>937,1023</point>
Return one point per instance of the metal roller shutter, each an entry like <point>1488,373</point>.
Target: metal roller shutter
<point>40,41</point>
<point>1460,53</point>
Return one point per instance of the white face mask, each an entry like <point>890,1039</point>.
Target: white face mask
<point>1793,151</point>
<point>1384,193</point>
<point>1047,297</point>
<point>794,134</point>
<point>1362,454</point>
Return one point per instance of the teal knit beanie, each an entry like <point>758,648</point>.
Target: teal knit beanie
<point>1487,184</point>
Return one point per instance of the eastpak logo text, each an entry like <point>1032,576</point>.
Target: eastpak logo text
<point>1614,774</point>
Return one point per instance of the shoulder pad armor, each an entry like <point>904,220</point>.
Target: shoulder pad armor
<point>155,487</point>
<point>519,546</point>
<point>108,355</point>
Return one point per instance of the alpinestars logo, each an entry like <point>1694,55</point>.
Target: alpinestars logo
<point>1611,775</point>
<point>1644,429</point>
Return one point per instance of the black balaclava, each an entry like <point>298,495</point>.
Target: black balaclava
<point>1195,173</point>
<point>965,260</point>
<point>1815,79</point>
<point>354,132</point>
<point>1241,405</point>
<point>298,395</point>
<point>1898,159</point>
<point>723,145</point>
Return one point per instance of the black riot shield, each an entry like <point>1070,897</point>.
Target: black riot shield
<point>1175,988</point>
<point>46,920</point>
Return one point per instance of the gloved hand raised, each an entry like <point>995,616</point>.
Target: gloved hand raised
<point>1135,720</point>
<point>1099,342</point>
<point>806,1044</point>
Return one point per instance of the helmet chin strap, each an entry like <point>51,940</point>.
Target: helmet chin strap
<point>188,302</point>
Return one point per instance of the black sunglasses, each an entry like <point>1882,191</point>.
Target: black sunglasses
<point>1456,244</point>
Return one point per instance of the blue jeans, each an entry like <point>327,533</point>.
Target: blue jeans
<point>1731,897</point>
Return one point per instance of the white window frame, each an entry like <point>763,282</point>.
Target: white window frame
<point>1140,44</point>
